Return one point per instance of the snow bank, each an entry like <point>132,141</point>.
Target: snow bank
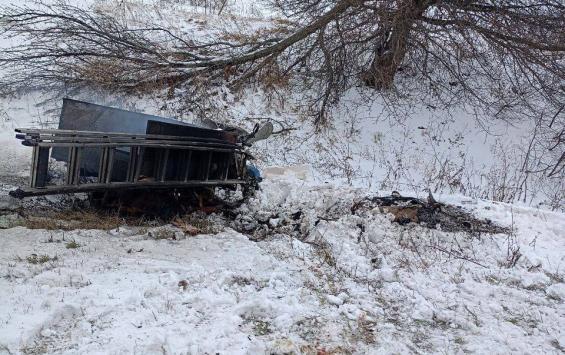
<point>355,284</point>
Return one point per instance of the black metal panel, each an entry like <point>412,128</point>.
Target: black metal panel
<point>62,189</point>
<point>83,116</point>
<point>171,155</point>
<point>174,129</point>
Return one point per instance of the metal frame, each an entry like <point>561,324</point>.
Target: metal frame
<point>162,146</point>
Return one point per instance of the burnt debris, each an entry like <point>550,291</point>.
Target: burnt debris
<point>429,213</point>
<point>405,211</point>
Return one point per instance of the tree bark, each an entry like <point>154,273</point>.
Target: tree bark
<point>390,53</point>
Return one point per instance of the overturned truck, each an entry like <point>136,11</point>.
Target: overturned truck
<point>109,149</point>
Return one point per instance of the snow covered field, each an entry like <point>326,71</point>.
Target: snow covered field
<point>356,284</point>
<point>320,279</point>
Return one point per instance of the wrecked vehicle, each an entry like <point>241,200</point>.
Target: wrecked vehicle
<point>110,149</point>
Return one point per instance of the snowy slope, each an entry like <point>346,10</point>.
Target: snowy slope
<point>369,143</point>
<point>379,288</point>
<point>354,283</point>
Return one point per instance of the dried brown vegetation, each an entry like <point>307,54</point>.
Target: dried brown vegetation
<point>72,219</point>
<point>503,58</point>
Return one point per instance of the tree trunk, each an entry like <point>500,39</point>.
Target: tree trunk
<point>390,53</point>
<point>387,60</point>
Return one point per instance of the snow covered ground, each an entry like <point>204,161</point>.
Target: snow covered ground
<point>356,284</point>
<point>350,283</point>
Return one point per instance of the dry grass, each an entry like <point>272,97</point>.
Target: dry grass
<point>162,233</point>
<point>193,225</point>
<point>322,350</point>
<point>71,220</point>
<point>261,327</point>
<point>324,251</point>
<point>364,330</point>
<point>273,77</point>
<point>555,343</point>
<point>40,259</point>
<point>72,245</point>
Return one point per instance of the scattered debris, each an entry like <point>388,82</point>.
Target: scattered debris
<point>183,284</point>
<point>403,210</point>
<point>429,213</point>
<point>185,227</point>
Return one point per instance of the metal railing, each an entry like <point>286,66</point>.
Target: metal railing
<point>108,161</point>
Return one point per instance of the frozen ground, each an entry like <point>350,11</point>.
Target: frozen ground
<point>353,284</point>
<point>349,283</point>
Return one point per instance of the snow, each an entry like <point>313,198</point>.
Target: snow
<point>389,289</point>
<point>382,291</point>
<point>345,283</point>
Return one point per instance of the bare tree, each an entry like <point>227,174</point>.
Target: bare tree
<point>505,58</point>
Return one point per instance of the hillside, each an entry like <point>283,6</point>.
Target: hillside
<point>311,264</point>
<point>354,283</point>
